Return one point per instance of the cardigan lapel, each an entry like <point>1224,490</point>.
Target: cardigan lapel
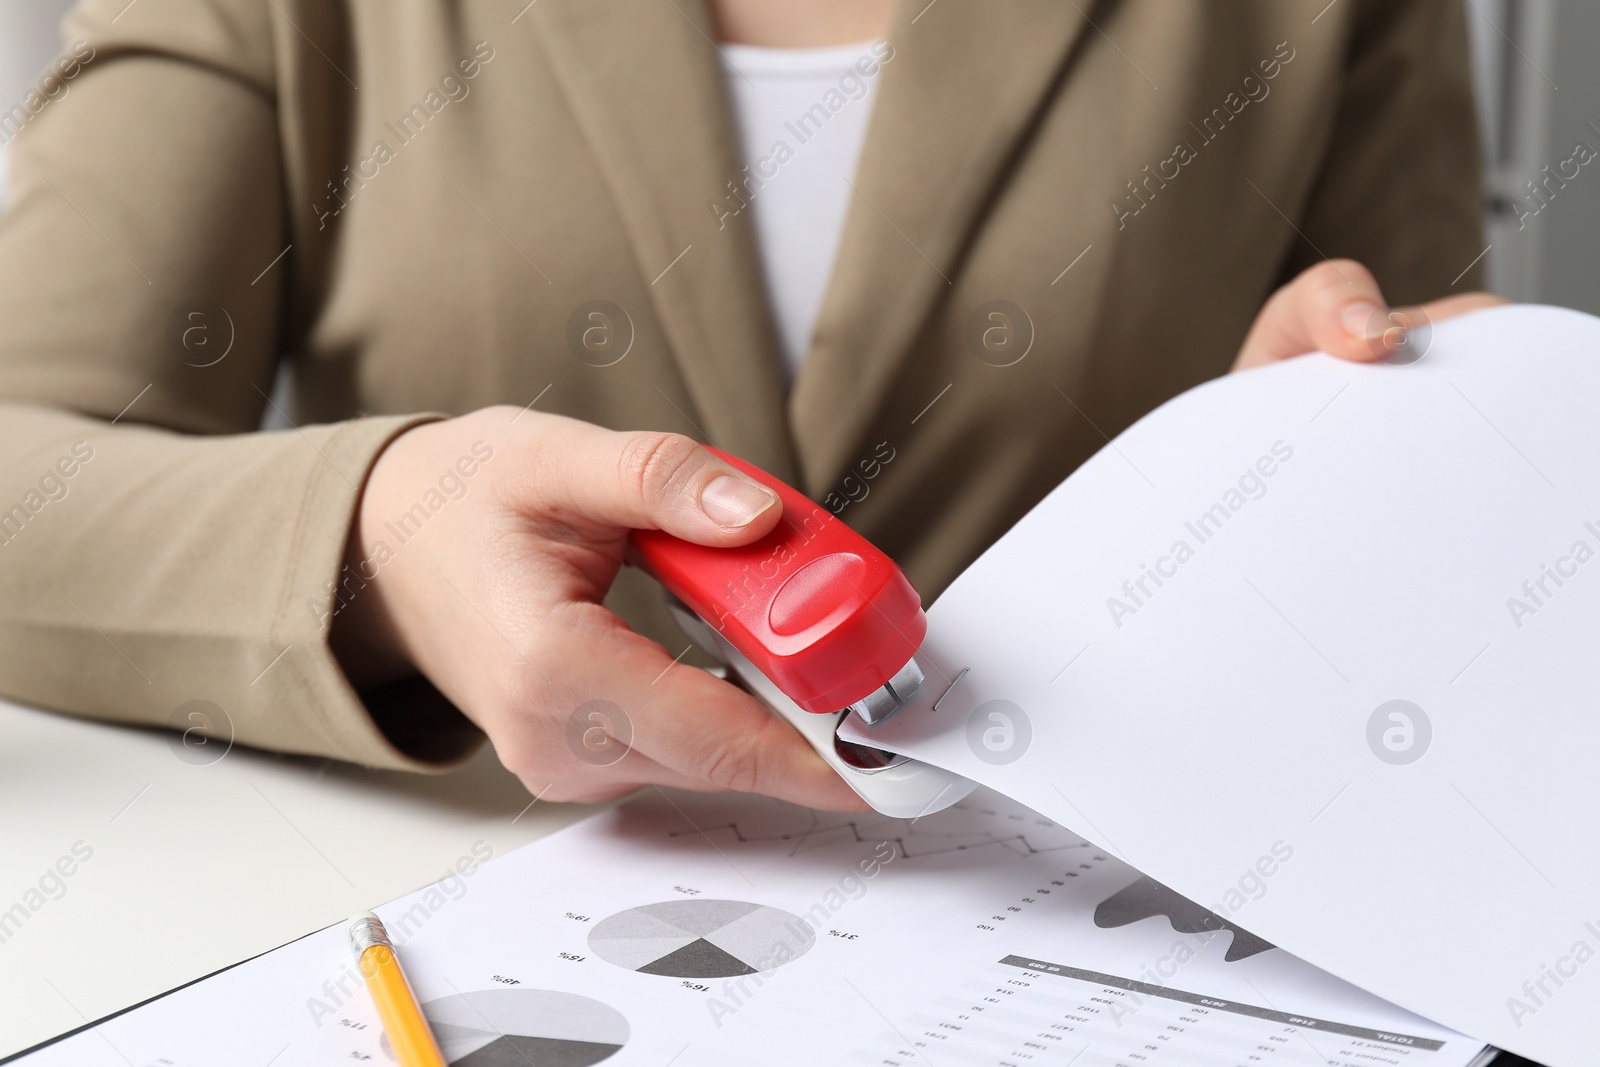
<point>645,83</point>
<point>958,95</point>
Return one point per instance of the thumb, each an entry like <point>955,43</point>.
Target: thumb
<point>648,480</point>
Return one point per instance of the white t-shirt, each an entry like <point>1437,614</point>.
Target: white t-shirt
<point>801,115</point>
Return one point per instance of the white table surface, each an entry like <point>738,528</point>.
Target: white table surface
<point>195,868</point>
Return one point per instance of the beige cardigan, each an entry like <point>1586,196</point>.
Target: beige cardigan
<point>1065,214</point>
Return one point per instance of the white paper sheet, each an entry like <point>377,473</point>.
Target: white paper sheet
<point>963,938</point>
<point>1189,652</point>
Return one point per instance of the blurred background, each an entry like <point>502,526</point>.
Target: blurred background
<point>1538,91</point>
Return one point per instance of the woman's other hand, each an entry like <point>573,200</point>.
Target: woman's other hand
<point>1336,307</point>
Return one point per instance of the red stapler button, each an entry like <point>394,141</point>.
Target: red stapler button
<point>828,618</point>
<point>814,596</point>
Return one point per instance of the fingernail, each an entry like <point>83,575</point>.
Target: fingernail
<point>734,501</point>
<point>1358,320</point>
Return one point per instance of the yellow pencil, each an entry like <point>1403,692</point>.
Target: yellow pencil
<point>403,1021</point>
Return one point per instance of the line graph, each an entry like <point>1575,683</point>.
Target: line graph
<point>982,821</point>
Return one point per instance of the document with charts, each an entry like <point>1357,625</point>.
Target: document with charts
<point>692,930</point>
<point>1312,647</point>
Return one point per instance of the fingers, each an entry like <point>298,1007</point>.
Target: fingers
<point>629,774</point>
<point>1337,307</point>
<point>643,480</point>
<point>722,738</point>
<point>706,733</point>
<point>1461,304</point>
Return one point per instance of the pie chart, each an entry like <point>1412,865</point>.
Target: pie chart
<point>701,938</point>
<point>524,1028</point>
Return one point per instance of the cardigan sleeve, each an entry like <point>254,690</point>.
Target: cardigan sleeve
<point>155,549</point>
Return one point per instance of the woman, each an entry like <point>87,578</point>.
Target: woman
<point>985,238</point>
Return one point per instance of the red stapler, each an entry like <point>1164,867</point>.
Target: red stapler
<point>817,624</point>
